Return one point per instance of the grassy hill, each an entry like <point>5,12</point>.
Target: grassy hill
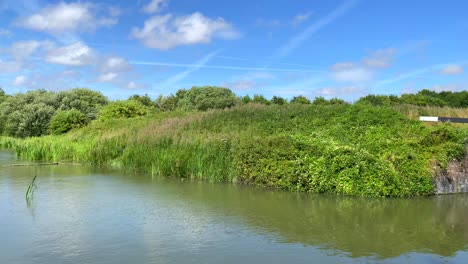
<point>336,149</point>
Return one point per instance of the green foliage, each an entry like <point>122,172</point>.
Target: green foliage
<point>323,101</point>
<point>123,109</point>
<point>278,100</point>
<point>421,100</point>
<point>25,115</point>
<point>3,95</point>
<point>329,146</point>
<point>205,98</point>
<point>300,100</point>
<point>32,120</point>
<point>246,99</point>
<point>169,103</point>
<point>260,99</point>
<point>379,100</point>
<point>66,120</point>
<point>143,99</point>
<point>84,100</point>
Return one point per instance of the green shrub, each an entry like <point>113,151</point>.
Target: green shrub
<point>64,121</point>
<point>300,100</point>
<point>123,109</point>
<point>205,98</point>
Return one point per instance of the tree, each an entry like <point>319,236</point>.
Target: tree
<point>379,100</point>
<point>260,99</point>
<point>32,121</point>
<point>27,114</point>
<point>300,100</point>
<point>123,109</point>
<point>143,99</point>
<point>278,100</point>
<point>205,98</point>
<point>246,99</point>
<point>66,120</point>
<point>3,95</point>
<point>84,100</point>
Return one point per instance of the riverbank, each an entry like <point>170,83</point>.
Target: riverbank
<point>335,149</point>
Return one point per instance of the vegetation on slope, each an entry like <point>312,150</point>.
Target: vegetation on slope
<point>324,146</point>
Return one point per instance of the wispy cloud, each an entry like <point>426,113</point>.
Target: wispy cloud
<point>300,18</point>
<point>194,67</point>
<point>452,69</point>
<point>231,58</point>
<point>415,73</point>
<point>221,67</point>
<point>5,33</point>
<point>299,39</point>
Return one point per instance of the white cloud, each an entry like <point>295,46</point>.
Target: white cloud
<point>23,49</point>
<point>453,87</point>
<point>301,18</point>
<point>76,54</point>
<point>154,6</point>
<point>380,59</point>
<point>264,22</point>
<point>452,69</point>
<point>166,32</point>
<point>240,85</point>
<point>348,72</point>
<point>10,66</point>
<point>65,17</point>
<point>115,64</point>
<point>20,80</point>
<point>5,32</point>
<point>341,91</point>
<point>248,81</point>
<point>132,85</point>
<point>342,66</point>
<point>107,77</point>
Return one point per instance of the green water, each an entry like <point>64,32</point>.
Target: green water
<point>81,214</point>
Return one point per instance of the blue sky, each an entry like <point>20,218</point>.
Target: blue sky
<point>333,48</point>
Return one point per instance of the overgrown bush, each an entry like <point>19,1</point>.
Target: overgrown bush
<point>205,98</point>
<point>123,109</point>
<point>66,120</point>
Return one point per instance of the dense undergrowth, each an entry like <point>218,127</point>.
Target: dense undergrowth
<point>336,149</point>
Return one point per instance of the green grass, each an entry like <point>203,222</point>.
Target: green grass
<point>339,149</point>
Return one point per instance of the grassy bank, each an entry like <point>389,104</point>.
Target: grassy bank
<point>335,149</point>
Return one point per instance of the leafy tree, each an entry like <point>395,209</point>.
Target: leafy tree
<point>66,120</point>
<point>123,109</point>
<point>33,120</point>
<point>379,100</point>
<point>422,100</point>
<point>27,114</point>
<point>260,99</point>
<point>300,100</point>
<point>84,100</point>
<point>278,100</point>
<point>3,95</point>
<point>143,99</point>
<point>246,99</point>
<point>205,98</point>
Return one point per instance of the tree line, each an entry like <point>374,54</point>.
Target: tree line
<point>41,112</point>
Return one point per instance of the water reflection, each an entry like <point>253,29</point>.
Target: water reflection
<point>84,214</point>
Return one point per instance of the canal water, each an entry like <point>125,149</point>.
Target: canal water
<point>82,214</point>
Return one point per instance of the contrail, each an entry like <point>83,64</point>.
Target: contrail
<point>297,40</point>
<point>195,67</point>
<point>221,67</point>
<point>414,73</point>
